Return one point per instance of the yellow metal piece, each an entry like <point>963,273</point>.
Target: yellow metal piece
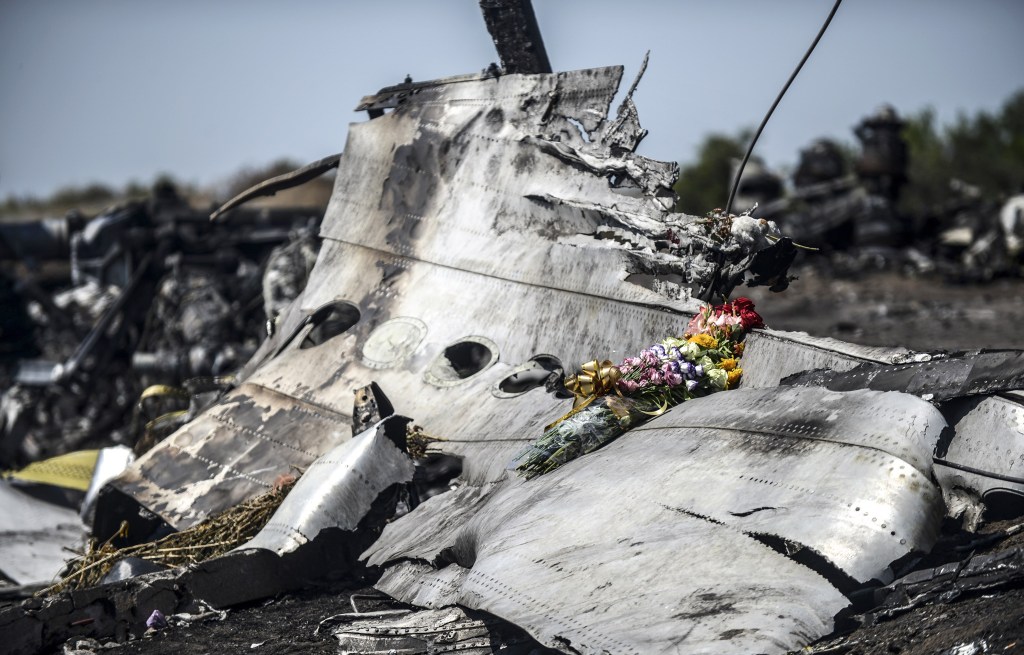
<point>163,390</point>
<point>71,471</point>
<point>164,420</point>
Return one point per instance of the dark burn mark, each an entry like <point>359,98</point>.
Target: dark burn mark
<point>809,558</point>
<point>712,608</point>
<point>525,161</point>
<point>495,119</point>
<point>751,511</point>
<point>686,512</point>
<point>412,184</point>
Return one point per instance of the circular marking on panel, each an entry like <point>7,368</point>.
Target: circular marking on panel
<point>392,342</point>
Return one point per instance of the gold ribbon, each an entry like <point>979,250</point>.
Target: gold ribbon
<point>596,379</point>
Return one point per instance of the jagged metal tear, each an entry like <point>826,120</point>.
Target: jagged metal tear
<point>659,538</point>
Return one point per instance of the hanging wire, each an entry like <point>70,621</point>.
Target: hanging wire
<point>750,148</point>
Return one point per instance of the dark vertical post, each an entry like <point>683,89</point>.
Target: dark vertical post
<point>513,26</point>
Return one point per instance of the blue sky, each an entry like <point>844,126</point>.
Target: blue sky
<point>115,90</point>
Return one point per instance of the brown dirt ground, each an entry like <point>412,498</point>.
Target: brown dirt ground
<point>891,309</point>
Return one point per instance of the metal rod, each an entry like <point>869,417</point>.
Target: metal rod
<point>796,71</point>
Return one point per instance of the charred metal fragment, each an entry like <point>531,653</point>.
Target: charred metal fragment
<point>513,27</point>
<point>370,406</point>
<point>937,379</point>
<point>424,632</point>
<point>948,583</point>
<point>286,181</point>
<point>771,355</point>
<point>340,489</point>
<point>978,465</point>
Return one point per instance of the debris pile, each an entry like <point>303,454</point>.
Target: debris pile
<point>148,293</point>
<point>851,211</point>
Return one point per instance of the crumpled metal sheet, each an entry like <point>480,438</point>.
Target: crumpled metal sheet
<point>981,464</point>
<point>236,450</point>
<point>479,209</point>
<point>935,379</point>
<point>427,632</point>
<point>771,355</point>
<point>35,537</point>
<point>659,538</point>
<point>949,582</point>
<point>339,488</point>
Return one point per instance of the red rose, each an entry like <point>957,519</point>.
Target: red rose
<point>743,303</point>
<point>749,319</point>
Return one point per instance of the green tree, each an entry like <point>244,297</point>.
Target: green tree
<point>985,150</point>
<point>704,185</point>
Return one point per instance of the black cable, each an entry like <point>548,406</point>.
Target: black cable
<point>739,171</point>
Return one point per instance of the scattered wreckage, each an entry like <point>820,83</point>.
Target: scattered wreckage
<point>853,212</point>
<point>486,234</point>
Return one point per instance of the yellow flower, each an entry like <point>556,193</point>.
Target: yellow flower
<point>727,364</point>
<point>704,340</point>
<point>734,377</point>
<point>738,349</point>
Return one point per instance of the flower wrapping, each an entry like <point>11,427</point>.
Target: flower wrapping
<point>600,422</point>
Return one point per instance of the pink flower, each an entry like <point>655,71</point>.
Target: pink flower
<point>628,386</point>
<point>695,326</point>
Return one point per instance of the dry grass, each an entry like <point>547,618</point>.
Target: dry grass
<point>211,538</point>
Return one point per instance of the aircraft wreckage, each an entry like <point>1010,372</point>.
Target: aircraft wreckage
<point>488,233</point>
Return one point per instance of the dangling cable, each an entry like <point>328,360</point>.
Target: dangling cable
<point>750,148</point>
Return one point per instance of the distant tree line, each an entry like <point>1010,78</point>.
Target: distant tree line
<point>984,150</point>
<point>94,197</point>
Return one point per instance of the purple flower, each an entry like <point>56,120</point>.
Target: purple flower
<point>650,358</point>
<point>659,350</point>
<point>656,377</point>
<point>691,385</point>
<point>670,367</point>
<point>156,620</point>
<point>675,353</point>
<point>698,371</point>
<point>673,379</point>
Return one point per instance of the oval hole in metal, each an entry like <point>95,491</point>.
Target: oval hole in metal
<point>462,360</point>
<point>535,372</point>
<point>467,358</point>
<point>329,321</point>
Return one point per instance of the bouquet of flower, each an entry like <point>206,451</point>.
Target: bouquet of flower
<point>612,399</point>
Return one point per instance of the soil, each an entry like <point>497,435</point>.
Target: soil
<point>893,309</point>
<point>881,308</point>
